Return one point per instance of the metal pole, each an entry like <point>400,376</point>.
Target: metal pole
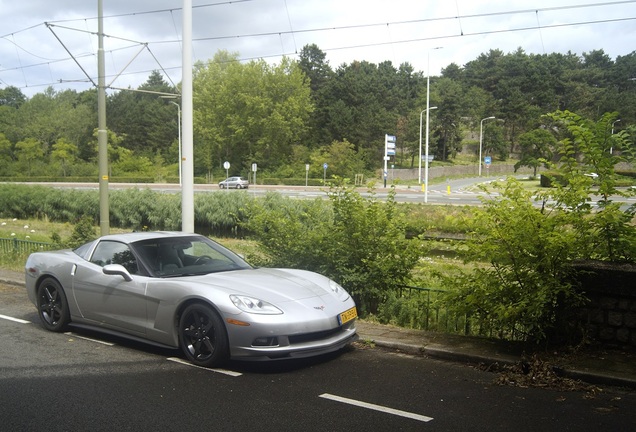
<point>187,189</point>
<point>428,89</point>
<point>419,165</point>
<point>426,162</point>
<point>102,133</point>
<point>481,137</point>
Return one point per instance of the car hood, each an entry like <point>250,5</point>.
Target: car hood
<point>273,285</point>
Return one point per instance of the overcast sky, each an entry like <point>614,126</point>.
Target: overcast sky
<point>34,56</point>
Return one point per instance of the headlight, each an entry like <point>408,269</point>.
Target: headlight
<point>254,305</point>
<point>339,291</point>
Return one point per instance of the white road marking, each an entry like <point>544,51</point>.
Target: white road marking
<point>376,407</point>
<point>89,339</point>
<point>222,371</point>
<point>18,320</point>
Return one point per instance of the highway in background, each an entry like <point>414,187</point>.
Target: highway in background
<point>452,192</point>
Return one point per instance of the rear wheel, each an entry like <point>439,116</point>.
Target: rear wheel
<point>202,336</point>
<point>52,305</point>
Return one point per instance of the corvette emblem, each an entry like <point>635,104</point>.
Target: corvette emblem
<point>319,307</point>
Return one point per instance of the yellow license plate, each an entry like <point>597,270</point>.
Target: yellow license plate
<point>347,315</point>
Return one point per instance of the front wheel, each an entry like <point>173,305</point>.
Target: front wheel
<point>202,336</point>
<point>52,305</point>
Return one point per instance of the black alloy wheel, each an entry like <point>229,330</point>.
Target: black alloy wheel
<point>52,305</point>
<point>202,336</point>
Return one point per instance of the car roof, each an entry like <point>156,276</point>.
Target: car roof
<point>145,235</point>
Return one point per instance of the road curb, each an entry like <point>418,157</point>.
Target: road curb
<point>467,358</point>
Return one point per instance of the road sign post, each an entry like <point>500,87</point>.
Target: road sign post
<point>226,165</point>
<point>389,150</point>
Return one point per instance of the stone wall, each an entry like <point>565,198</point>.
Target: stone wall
<point>610,315</point>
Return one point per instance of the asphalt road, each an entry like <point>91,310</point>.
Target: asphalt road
<point>86,381</point>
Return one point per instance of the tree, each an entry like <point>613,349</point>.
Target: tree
<point>447,95</point>
<point>147,122</point>
<point>250,112</point>
<point>524,276</point>
<point>29,152</point>
<point>312,61</point>
<point>537,147</point>
<point>65,153</point>
<point>12,96</point>
<point>342,158</point>
<point>526,251</point>
<point>589,148</point>
<point>6,155</point>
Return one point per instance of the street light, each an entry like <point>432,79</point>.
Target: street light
<point>428,92</point>
<point>481,137</point>
<point>419,176</point>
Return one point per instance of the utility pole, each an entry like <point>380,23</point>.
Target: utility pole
<point>102,133</point>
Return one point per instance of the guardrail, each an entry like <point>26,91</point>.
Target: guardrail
<point>14,245</point>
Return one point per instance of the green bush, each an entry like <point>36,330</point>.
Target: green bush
<point>359,242</point>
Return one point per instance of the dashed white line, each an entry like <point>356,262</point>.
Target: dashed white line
<point>222,371</point>
<point>374,407</point>
<point>18,320</point>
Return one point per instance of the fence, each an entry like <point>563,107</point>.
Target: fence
<point>432,314</point>
<point>14,245</point>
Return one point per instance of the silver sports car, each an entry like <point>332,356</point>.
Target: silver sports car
<point>186,291</point>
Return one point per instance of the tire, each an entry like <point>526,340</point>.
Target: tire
<point>238,186</point>
<point>52,305</point>
<point>202,336</point>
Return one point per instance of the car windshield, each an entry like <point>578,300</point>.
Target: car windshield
<point>191,255</point>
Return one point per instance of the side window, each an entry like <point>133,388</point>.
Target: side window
<point>110,252</point>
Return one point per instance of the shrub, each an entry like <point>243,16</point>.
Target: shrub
<point>359,242</point>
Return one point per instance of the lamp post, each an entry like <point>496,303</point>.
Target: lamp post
<point>428,92</point>
<point>419,176</point>
<point>481,137</point>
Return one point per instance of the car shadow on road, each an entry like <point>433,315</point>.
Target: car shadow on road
<point>273,366</point>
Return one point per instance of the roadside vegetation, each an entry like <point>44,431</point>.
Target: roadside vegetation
<point>503,269</point>
<point>498,270</point>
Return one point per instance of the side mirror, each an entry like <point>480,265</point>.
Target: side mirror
<point>117,270</point>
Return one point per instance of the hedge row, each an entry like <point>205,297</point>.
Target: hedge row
<point>136,209</point>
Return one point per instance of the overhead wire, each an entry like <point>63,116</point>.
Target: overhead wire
<point>293,31</point>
